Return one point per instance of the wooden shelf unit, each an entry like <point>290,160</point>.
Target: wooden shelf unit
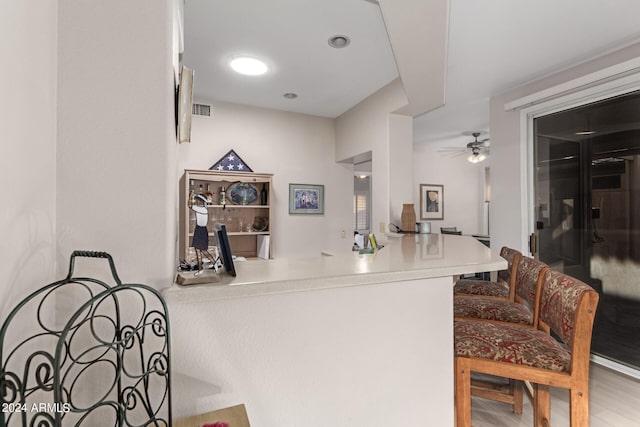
<point>238,218</point>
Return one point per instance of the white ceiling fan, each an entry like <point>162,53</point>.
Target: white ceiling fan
<point>479,149</point>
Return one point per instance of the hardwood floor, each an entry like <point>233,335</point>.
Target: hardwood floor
<point>615,402</point>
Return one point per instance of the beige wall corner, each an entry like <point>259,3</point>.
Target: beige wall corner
<point>418,31</point>
<point>366,128</point>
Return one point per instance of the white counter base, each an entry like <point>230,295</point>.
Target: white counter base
<point>354,350</point>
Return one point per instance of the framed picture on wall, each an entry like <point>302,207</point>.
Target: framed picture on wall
<point>185,102</point>
<point>431,201</point>
<point>306,199</point>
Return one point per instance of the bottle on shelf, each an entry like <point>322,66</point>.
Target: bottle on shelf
<point>223,196</point>
<point>192,194</point>
<point>209,195</point>
<point>200,190</point>
<point>263,196</point>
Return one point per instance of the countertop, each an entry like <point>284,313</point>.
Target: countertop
<point>403,257</point>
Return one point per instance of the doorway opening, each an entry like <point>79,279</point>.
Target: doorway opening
<point>362,197</point>
<point>587,212</point>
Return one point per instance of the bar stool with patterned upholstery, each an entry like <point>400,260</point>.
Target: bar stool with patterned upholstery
<point>504,287</point>
<point>531,354</point>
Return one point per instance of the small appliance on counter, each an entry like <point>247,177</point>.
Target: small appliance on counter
<point>423,227</point>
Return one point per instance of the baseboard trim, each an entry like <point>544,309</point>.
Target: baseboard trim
<point>615,366</point>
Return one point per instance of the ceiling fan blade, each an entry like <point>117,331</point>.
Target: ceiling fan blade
<point>452,154</point>
<point>452,149</point>
<point>473,147</point>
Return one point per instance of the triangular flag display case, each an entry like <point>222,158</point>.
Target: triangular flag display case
<point>231,162</point>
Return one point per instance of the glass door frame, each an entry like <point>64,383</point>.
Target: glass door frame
<point>578,97</point>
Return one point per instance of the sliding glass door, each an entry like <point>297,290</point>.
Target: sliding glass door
<point>587,212</point>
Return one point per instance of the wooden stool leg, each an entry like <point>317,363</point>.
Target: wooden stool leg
<point>516,391</point>
<point>541,406</point>
<point>462,392</point>
<point>579,406</point>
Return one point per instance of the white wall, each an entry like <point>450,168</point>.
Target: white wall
<point>463,184</point>
<point>295,148</point>
<point>116,152</point>
<point>27,159</point>
<point>509,211</point>
<point>366,128</point>
<point>400,166</point>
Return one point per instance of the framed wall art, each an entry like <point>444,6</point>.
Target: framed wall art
<point>185,102</point>
<point>306,199</point>
<point>431,201</point>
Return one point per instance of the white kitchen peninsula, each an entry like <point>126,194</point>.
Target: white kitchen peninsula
<point>347,340</point>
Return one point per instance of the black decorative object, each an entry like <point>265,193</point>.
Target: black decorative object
<point>79,352</point>
<point>264,196</point>
<point>231,162</point>
<point>225,248</point>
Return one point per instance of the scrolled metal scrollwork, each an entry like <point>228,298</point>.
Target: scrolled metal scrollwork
<point>42,419</point>
<point>106,363</point>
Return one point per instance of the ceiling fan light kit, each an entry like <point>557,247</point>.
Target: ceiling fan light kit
<point>479,149</point>
<point>476,158</point>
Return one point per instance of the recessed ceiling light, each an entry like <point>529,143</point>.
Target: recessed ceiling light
<point>339,41</point>
<point>290,95</point>
<point>586,132</point>
<point>248,66</point>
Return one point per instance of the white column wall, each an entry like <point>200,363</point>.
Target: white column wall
<point>116,152</point>
<point>364,128</point>
<point>400,168</point>
<point>27,160</point>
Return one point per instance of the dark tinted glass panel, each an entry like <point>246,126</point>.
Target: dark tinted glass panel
<point>588,211</point>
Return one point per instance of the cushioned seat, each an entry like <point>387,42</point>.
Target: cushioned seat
<point>492,309</point>
<point>481,288</point>
<point>524,310</point>
<point>511,344</point>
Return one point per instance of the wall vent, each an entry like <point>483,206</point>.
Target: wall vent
<point>203,110</point>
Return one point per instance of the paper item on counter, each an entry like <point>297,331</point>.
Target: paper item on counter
<point>263,246</point>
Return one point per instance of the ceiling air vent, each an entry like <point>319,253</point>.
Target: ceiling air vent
<point>203,110</point>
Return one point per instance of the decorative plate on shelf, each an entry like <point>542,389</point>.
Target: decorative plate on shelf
<point>242,193</point>
<point>260,223</point>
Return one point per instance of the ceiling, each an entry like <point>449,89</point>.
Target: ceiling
<point>494,45</point>
<point>291,36</point>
